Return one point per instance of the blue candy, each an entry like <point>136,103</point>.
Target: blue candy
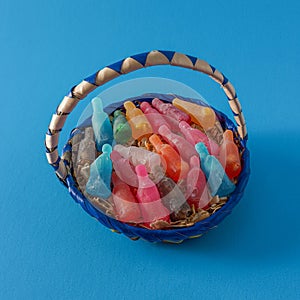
<point>218,182</point>
<point>101,124</point>
<point>100,175</point>
<point>202,151</point>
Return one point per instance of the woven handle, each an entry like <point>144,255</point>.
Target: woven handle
<point>125,66</point>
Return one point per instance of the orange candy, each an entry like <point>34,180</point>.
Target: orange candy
<point>176,167</point>
<point>140,126</point>
<point>202,115</point>
<point>229,155</point>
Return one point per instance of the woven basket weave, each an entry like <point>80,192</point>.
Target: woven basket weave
<point>77,93</point>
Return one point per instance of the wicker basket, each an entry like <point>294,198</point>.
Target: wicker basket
<point>63,166</point>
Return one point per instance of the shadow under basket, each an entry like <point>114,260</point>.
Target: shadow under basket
<point>63,166</point>
<point>174,235</point>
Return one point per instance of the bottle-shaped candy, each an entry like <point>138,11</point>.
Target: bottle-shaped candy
<point>229,155</point>
<point>123,169</point>
<point>202,151</point>
<point>139,156</point>
<point>121,128</point>
<point>176,167</point>
<point>87,149</point>
<point>215,133</point>
<point>84,156</point>
<point>169,110</point>
<point>148,196</point>
<point>101,124</point>
<point>171,196</point>
<point>195,136</point>
<point>139,124</point>
<point>202,115</point>
<point>184,148</point>
<point>196,190</point>
<point>100,175</point>
<point>218,182</point>
<point>154,117</point>
<point>126,206</point>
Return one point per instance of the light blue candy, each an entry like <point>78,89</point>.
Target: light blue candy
<point>100,174</point>
<point>101,124</point>
<point>202,151</point>
<point>218,182</point>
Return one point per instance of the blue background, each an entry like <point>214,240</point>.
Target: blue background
<point>50,248</point>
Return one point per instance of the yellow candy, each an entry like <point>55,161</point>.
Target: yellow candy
<point>138,121</point>
<point>201,115</point>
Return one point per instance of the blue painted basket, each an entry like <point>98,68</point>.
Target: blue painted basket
<point>62,165</point>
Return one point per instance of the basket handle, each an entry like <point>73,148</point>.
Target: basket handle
<point>125,66</point>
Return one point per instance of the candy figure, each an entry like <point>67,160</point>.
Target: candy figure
<point>139,156</point>
<point>169,110</point>
<point>171,196</point>
<point>202,151</point>
<point>149,198</point>
<point>215,133</point>
<point>126,206</point>
<point>87,149</point>
<point>197,191</point>
<point>100,175</point>
<point>83,154</point>
<point>139,124</point>
<point>153,116</point>
<point>121,128</point>
<point>176,167</point>
<point>101,124</point>
<point>229,155</point>
<point>123,169</point>
<point>217,180</point>
<point>184,148</point>
<point>195,136</point>
<point>202,115</point>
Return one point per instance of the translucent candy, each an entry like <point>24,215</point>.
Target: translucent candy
<point>123,169</point>
<point>202,151</point>
<point>197,191</point>
<point>148,196</point>
<point>176,168</point>
<point>126,206</point>
<point>101,125</point>
<point>229,155</point>
<point>171,196</point>
<point>100,175</point>
<point>184,148</point>
<point>154,117</point>
<point>201,115</point>
<point>121,128</point>
<point>140,126</point>
<point>171,111</point>
<point>139,156</point>
<point>83,154</point>
<point>195,136</point>
<point>217,180</point>
<point>87,149</point>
